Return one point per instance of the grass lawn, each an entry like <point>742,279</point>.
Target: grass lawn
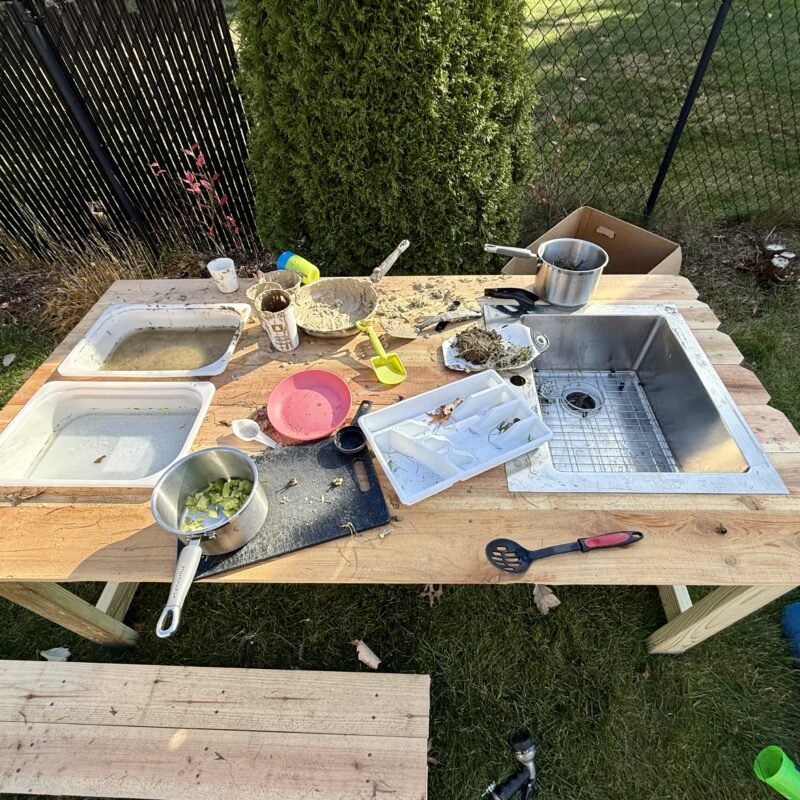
<point>610,78</point>
<point>30,346</point>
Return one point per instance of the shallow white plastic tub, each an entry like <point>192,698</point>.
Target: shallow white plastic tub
<point>491,424</point>
<point>101,434</point>
<point>118,322</point>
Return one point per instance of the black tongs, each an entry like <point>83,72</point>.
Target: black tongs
<point>524,299</point>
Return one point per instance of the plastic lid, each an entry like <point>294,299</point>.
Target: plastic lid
<point>283,259</point>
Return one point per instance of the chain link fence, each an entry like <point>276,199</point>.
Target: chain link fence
<point>610,79</point>
<point>152,86</point>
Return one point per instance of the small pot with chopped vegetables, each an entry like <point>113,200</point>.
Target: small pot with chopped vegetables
<point>212,501</point>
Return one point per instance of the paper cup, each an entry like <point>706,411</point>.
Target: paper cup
<point>223,272</point>
<point>276,312</point>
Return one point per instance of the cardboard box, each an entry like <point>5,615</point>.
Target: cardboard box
<point>631,250</point>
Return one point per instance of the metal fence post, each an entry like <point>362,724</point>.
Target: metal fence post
<point>68,91</point>
<point>691,94</point>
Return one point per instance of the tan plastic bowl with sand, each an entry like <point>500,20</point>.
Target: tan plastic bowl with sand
<point>330,307</point>
<point>285,278</point>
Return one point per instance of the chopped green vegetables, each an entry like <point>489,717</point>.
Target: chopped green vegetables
<point>220,497</point>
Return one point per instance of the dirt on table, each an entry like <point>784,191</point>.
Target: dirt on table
<point>431,297</point>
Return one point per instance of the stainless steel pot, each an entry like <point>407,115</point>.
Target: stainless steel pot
<point>223,535</point>
<point>567,288</point>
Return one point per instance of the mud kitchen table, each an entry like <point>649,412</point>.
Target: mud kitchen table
<point>748,545</point>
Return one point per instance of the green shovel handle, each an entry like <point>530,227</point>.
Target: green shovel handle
<point>366,326</point>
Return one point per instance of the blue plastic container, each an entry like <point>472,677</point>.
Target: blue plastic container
<point>791,626</point>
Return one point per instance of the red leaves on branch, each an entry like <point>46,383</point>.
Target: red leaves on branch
<point>208,201</point>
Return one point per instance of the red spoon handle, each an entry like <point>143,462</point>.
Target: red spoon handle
<point>617,539</point>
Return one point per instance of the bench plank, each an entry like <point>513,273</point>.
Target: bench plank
<point>299,701</point>
<point>197,764</point>
<point>138,731</point>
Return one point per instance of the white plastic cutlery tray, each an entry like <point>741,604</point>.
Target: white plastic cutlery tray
<point>429,442</point>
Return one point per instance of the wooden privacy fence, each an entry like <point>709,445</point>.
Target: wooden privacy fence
<point>93,92</point>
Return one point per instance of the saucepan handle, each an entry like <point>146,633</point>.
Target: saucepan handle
<point>511,252</point>
<point>185,571</point>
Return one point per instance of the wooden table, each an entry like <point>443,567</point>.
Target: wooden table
<point>746,545</point>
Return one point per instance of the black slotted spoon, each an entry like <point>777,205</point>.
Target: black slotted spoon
<point>510,556</point>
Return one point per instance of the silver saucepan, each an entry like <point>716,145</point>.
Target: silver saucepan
<point>186,477</point>
<point>566,271</point>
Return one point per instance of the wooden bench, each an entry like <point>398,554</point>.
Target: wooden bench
<point>114,730</point>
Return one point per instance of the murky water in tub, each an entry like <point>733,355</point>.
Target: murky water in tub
<point>169,348</point>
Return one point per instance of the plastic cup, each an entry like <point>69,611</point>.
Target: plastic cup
<point>276,312</point>
<point>223,273</point>
<point>777,770</point>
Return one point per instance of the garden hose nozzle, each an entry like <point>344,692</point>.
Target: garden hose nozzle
<point>523,781</point>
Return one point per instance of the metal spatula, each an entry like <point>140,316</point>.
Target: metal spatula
<point>510,556</point>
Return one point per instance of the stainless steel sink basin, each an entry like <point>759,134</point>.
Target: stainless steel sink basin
<point>635,406</point>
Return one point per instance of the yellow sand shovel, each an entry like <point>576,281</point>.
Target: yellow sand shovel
<point>388,367</point>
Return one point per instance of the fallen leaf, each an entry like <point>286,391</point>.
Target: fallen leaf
<point>365,654</point>
<point>55,654</point>
<point>9,359</point>
<point>99,459</point>
<point>443,412</point>
<point>432,760</point>
<point>544,598</point>
<point>432,592</point>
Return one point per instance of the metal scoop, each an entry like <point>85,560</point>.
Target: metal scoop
<point>388,367</point>
<point>248,430</point>
<point>399,329</point>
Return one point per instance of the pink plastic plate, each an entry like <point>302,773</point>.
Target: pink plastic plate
<point>309,405</point>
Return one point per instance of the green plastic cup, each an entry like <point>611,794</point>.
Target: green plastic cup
<point>776,769</point>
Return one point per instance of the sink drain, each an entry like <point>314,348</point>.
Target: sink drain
<point>582,399</point>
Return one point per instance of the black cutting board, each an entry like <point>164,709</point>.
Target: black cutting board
<point>297,516</point>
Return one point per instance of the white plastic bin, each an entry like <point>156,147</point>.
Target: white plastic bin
<point>101,434</point>
<point>118,322</point>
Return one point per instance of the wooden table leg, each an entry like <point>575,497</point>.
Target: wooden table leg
<point>675,600</point>
<point>116,598</point>
<point>715,612</point>
<point>61,606</point>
